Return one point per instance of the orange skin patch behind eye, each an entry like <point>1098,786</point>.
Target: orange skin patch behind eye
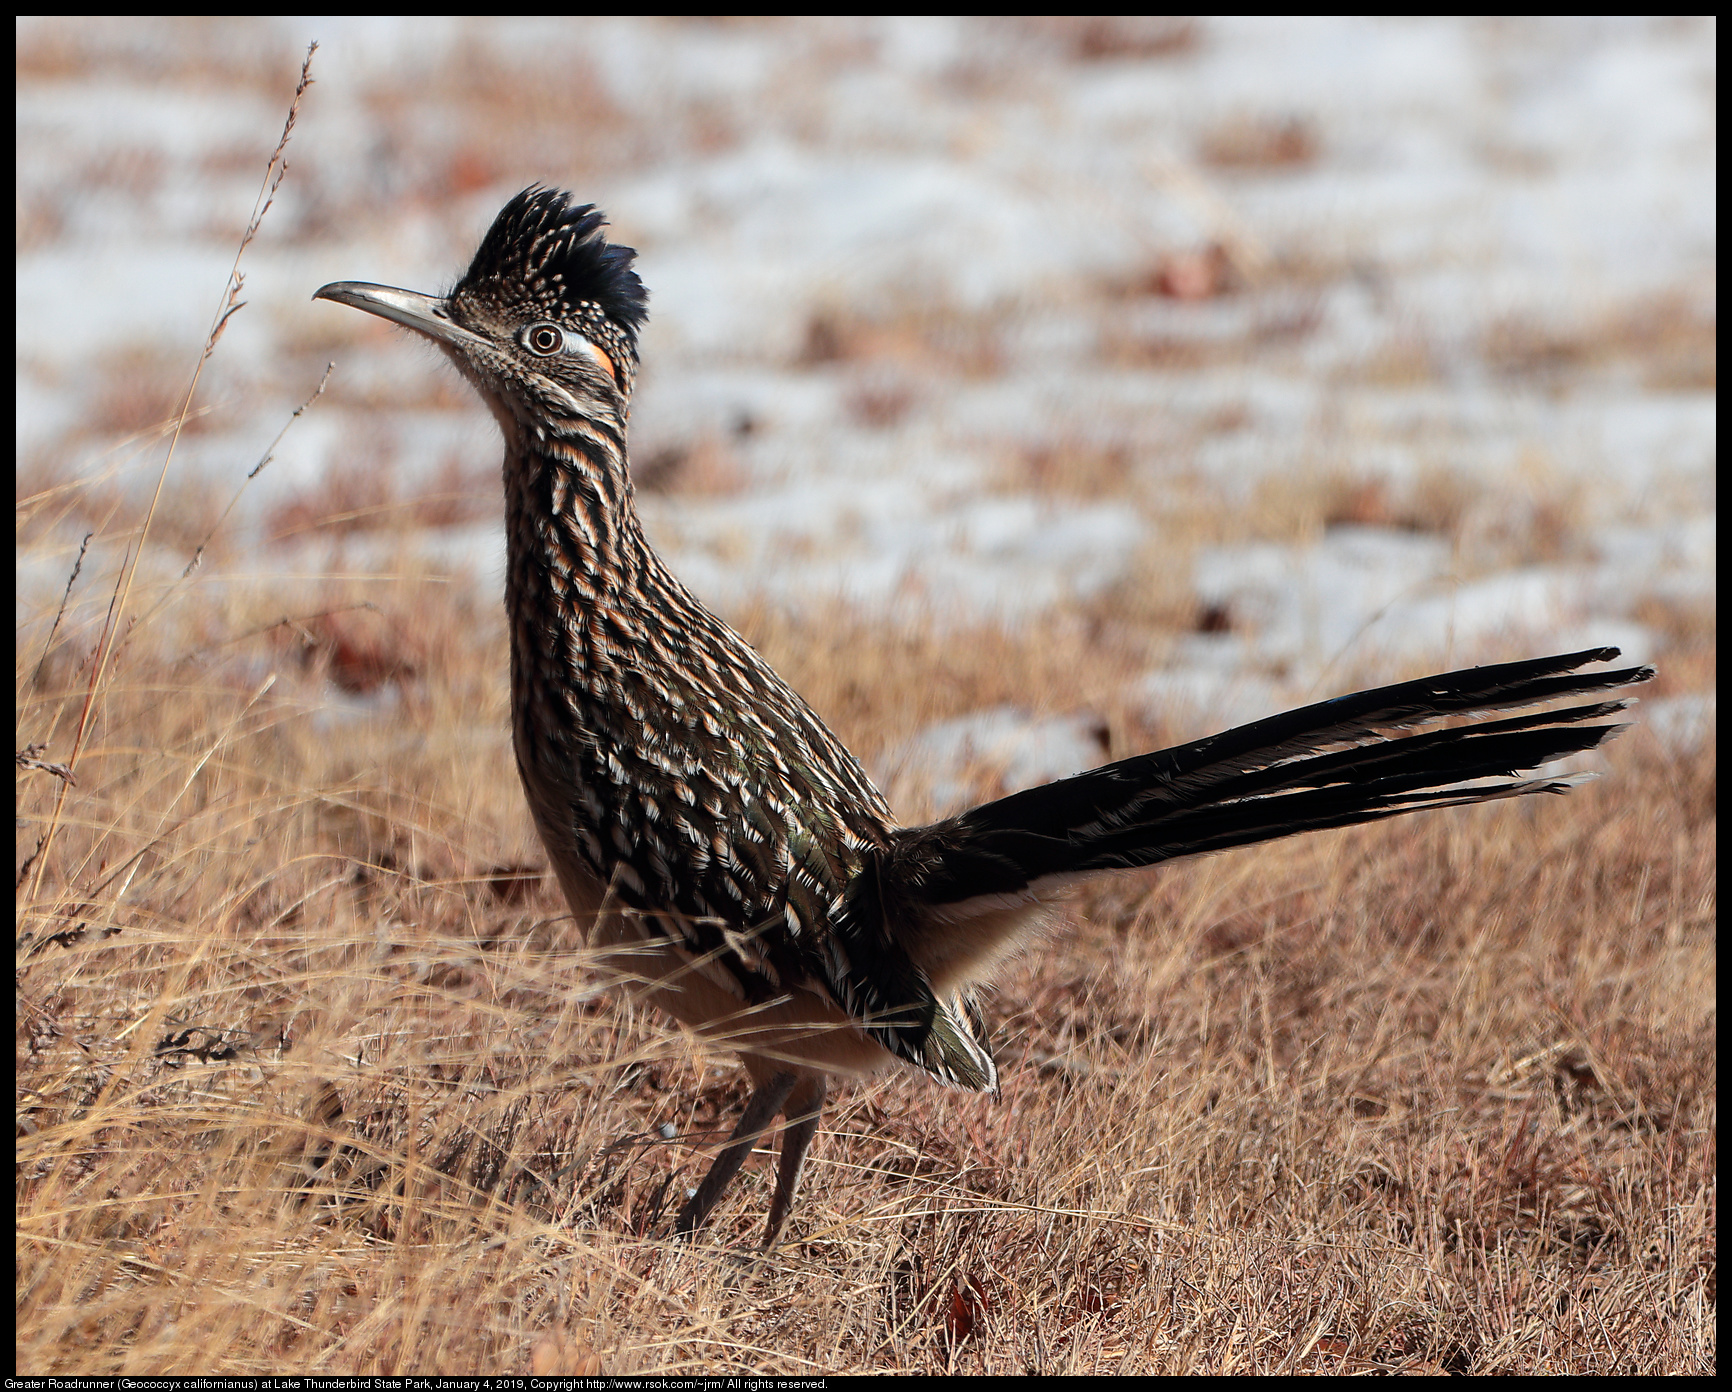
<point>603,359</point>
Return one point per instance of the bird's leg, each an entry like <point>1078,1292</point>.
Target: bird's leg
<point>803,1109</point>
<point>766,1101</point>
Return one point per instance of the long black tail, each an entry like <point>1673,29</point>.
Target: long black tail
<point>1333,764</point>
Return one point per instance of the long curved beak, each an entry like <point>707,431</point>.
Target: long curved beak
<point>426,314</point>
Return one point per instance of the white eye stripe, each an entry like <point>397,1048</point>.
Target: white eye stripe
<point>577,343</point>
<point>545,339</point>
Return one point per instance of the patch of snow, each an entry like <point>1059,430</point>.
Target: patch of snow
<point>989,754</point>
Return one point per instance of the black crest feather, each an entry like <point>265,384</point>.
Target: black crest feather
<point>552,250</point>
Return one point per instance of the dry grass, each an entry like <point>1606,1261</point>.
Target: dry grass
<point>311,1074</point>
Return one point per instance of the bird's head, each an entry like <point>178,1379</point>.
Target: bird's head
<point>544,322</point>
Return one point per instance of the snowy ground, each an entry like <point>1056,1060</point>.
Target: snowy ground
<point>952,319</point>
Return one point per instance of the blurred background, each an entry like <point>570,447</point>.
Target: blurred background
<point>1301,351</point>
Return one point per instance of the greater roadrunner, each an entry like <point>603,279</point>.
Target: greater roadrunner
<point>739,867</point>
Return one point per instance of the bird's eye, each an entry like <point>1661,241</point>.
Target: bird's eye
<point>544,339</point>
